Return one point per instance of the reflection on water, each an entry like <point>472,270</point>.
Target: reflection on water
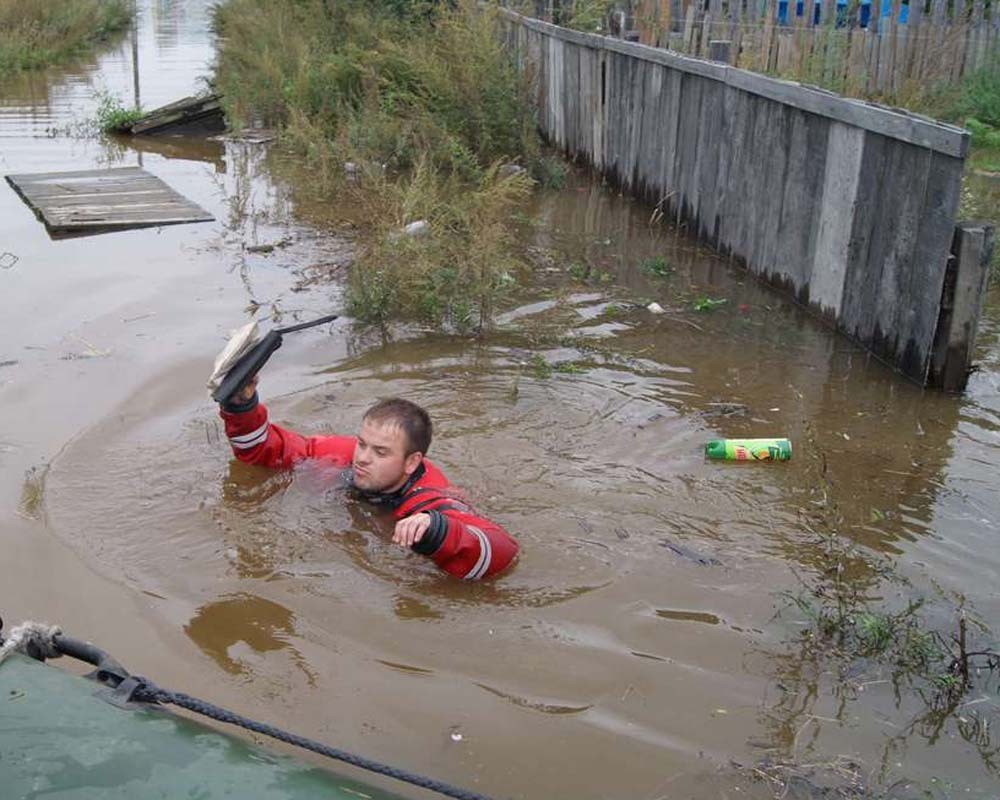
<point>236,630</point>
<point>634,648</point>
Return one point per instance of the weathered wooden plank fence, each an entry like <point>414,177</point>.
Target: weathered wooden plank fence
<point>883,48</point>
<point>848,205</point>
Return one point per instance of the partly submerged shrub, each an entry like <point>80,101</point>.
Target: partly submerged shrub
<point>113,115</point>
<point>454,272</point>
<point>425,105</point>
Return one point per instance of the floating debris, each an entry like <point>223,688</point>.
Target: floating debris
<point>269,247</point>
<point>90,352</point>
<point>726,410</point>
<point>187,115</point>
<point>689,554</point>
<point>749,449</point>
<point>253,136</point>
<point>419,228</point>
<point>96,201</point>
<point>509,170</point>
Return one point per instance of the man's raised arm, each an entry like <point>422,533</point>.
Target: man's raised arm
<point>255,440</point>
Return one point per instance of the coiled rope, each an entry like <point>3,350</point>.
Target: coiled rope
<point>35,639</point>
<point>40,641</point>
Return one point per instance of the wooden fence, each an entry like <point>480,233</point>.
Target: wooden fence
<point>848,205</point>
<point>862,51</point>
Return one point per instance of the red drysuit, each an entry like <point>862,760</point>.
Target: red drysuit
<point>459,541</point>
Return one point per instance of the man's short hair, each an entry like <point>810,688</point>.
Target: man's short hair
<point>414,421</point>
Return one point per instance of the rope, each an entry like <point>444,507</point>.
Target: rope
<point>147,691</point>
<point>35,639</point>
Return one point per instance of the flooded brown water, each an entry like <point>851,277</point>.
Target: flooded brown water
<point>635,650</point>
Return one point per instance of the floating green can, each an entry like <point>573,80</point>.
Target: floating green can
<point>749,449</point>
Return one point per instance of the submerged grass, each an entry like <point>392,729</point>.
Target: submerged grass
<point>849,623</point>
<point>412,111</point>
<point>37,33</point>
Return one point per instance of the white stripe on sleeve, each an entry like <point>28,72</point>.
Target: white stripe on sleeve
<point>248,440</point>
<point>485,555</point>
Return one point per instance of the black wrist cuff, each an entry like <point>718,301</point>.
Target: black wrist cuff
<point>434,536</point>
<point>231,407</point>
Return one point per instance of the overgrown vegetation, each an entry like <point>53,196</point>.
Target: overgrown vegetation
<point>412,112</point>
<point>37,33</point>
<point>589,16</point>
<point>452,274</point>
<point>112,115</point>
<point>979,98</point>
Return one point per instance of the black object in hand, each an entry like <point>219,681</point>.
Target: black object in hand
<point>250,362</point>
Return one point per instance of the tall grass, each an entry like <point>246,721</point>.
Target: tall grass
<point>424,104</point>
<point>454,274</point>
<point>36,33</point>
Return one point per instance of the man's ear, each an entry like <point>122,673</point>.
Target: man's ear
<point>411,462</point>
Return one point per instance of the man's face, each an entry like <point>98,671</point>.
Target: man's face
<point>380,461</point>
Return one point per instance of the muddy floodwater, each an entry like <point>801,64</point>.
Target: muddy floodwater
<point>640,648</point>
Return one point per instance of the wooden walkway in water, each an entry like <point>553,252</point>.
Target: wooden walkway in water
<point>102,200</point>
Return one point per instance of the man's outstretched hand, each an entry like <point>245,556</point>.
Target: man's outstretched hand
<point>411,529</point>
<point>246,393</point>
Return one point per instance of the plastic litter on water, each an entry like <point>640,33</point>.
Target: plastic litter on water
<point>749,449</point>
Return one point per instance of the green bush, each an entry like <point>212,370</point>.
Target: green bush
<point>112,115</point>
<point>983,135</point>
<point>979,96</point>
<point>37,33</point>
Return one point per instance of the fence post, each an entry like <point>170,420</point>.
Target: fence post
<point>718,50</point>
<point>961,304</point>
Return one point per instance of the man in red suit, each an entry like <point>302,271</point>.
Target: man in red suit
<point>387,466</point>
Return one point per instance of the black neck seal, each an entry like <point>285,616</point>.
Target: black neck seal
<point>390,500</point>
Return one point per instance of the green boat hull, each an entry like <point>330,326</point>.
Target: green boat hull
<point>59,741</point>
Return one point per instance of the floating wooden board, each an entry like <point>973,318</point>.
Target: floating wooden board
<point>190,115</point>
<point>103,200</point>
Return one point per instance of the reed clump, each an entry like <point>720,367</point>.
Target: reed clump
<point>414,112</point>
<point>37,33</point>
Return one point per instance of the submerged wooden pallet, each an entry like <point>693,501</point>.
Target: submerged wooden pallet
<point>103,200</point>
<point>186,116</point>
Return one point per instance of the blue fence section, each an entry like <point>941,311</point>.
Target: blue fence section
<point>864,12</point>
